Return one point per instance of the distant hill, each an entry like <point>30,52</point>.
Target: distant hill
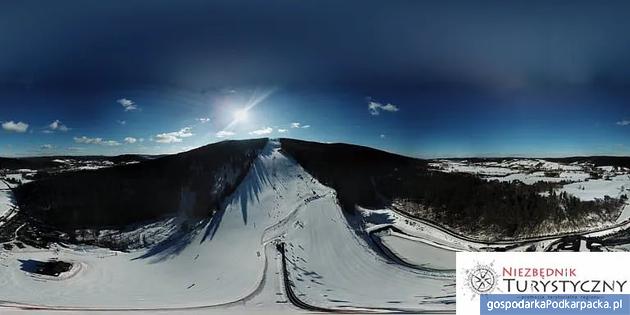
<point>45,162</point>
<point>196,182</point>
<point>622,161</point>
<point>192,182</point>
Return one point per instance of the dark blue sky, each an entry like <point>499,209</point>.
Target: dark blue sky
<point>420,78</point>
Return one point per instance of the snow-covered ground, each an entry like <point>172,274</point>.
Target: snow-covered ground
<point>613,187</point>
<point>19,175</point>
<point>506,167</point>
<point>231,263</point>
<point>331,266</point>
<point>599,188</point>
<point>614,181</point>
<point>6,202</point>
<point>464,167</point>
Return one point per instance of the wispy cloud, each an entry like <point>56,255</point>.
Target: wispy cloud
<point>128,104</point>
<point>375,108</point>
<point>624,122</point>
<point>100,141</point>
<point>299,125</point>
<point>46,147</point>
<point>282,130</point>
<point>57,126</point>
<point>382,136</point>
<point>121,122</point>
<point>203,120</point>
<point>11,126</point>
<point>260,132</point>
<point>224,134</point>
<point>130,140</point>
<point>175,136</point>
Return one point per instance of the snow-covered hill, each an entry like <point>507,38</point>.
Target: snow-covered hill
<point>282,242</point>
<point>232,261</point>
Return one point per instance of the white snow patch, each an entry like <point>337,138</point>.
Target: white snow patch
<point>599,188</point>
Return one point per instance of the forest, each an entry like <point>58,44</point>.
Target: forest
<point>374,179</point>
<point>192,183</point>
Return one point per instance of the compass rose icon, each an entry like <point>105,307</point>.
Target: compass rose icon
<point>482,279</point>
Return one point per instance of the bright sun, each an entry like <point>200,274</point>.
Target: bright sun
<point>240,115</point>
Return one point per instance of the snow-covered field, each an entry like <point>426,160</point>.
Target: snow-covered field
<point>614,181</point>
<point>599,188</point>
<point>231,263</point>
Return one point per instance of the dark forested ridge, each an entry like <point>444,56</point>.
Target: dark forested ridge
<point>373,178</point>
<point>193,182</point>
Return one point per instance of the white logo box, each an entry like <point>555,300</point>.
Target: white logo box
<point>542,282</point>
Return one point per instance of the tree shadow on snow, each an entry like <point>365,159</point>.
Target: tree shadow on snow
<point>170,247</point>
<point>248,191</point>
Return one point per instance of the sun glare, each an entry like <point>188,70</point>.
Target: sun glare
<point>240,115</point>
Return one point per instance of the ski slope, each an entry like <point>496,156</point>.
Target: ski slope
<point>333,267</point>
<point>6,202</point>
<point>231,263</point>
<point>220,263</point>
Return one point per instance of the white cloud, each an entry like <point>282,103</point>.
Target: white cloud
<point>224,134</point>
<point>382,136</point>
<point>101,141</point>
<point>57,125</point>
<point>203,120</point>
<point>624,122</point>
<point>47,146</point>
<point>375,108</point>
<point>15,126</point>
<point>263,131</point>
<point>127,104</point>
<point>110,143</point>
<point>299,125</point>
<point>130,140</point>
<point>175,136</point>
<point>282,130</point>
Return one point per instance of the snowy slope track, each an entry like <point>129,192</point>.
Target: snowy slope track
<point>420,255</point>
<point>231,263</point>
<point>331,267</point>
